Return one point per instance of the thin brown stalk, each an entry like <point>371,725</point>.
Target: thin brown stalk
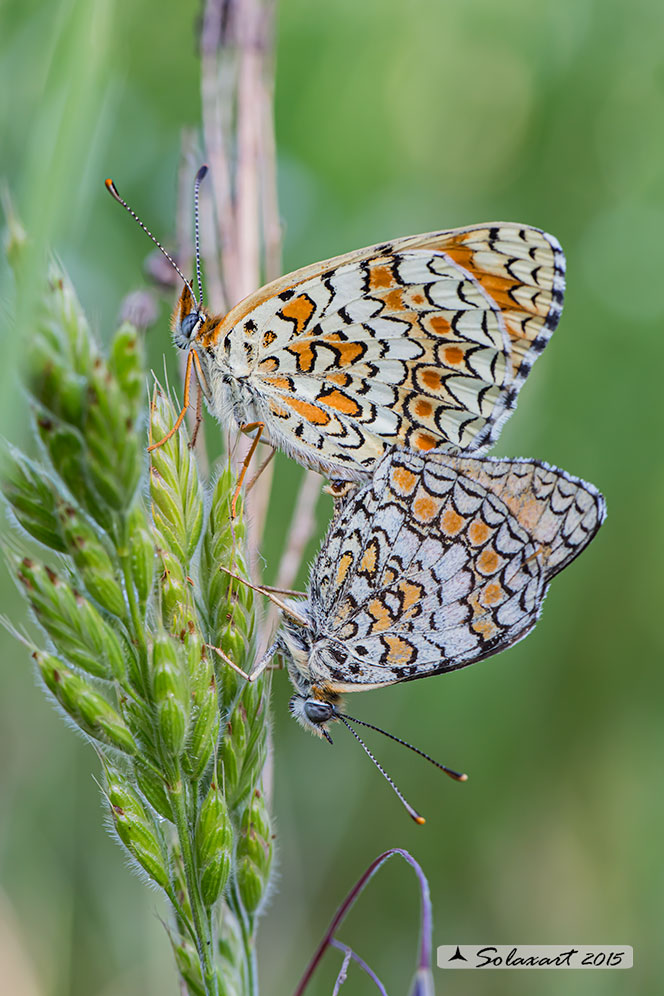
<point>302,528</point>
<point>237,93</point>
<point>268,162</point>
<point>250,29</point>
<point>217,92</point>
<point>258,501</point>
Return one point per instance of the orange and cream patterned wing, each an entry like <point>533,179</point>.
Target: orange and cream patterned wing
<point>522,269</point>
<point>561,512</point>
<point>422,342</point>
<point>426,569</point>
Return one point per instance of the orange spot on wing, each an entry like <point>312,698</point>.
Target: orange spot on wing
<point>299,310</point>
<point>499,288</point>
<point>343,380</point>
<point>369,558</point>
<point>453,355</point>
<point>492,594</point>
<point>403,480</point>
<point>380,276</point>
<point>278,410</point>
<point>304,355</point>
<point>342,568</point>
<point>478,532</point>
<point>486,627</point>
<point>431,379</point>
<point>496,286</point>
<point>439,325</point>
<point>425,508</point>
<point>423,441</point>
<point>381,614</point>
<point>488,561</point>
<point>268,365</point>
<point>308,411</point>
<point>463,257</point>
<point>399,651</point>
<point>394,299</point>
<point>423,408</point>
<point>347,352</point>
<point>268,338</point>
<point>341,402</point>
<point>412,594</point>
<point>451,522</point>
<point>281,383</point>
<point>482,623</point>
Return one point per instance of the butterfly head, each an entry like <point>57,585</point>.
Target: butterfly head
<point>314,711</point>
<point>188,318</point>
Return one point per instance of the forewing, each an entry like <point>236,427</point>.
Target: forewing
<point>423,342</point>
<point>424,570</point>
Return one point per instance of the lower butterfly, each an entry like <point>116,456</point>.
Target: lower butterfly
<point>437,563</point>
<point>420,343</point>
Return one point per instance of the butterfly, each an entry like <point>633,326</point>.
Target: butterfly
<point>421,343</point>
<point>438,562</point>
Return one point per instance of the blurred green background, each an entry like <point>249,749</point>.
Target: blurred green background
<point>392,118</point>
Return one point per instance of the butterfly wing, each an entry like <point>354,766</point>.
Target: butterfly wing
<point>422,342</point>
<point>428,569</point>
<point>560,512</point>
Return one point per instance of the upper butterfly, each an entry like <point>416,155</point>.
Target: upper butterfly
<point>423,342</point>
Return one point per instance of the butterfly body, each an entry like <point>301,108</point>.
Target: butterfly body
<point>436,563</point>
<point>419,343</point>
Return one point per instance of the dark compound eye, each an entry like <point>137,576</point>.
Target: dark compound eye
<point>189,323</point>
<point>318,712</point>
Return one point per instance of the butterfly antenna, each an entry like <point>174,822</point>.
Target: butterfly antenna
<point>411,812</point>
<point>113,191</point>
<point>443,767</point>
<point>197,240</point>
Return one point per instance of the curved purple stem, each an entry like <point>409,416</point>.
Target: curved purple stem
<point>424,960</point>
<point>360,961</point>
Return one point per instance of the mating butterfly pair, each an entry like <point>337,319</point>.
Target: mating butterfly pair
<point>395,367</point>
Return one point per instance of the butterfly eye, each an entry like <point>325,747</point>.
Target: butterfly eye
<point>184,330</point>
<point>318,712</point>
<point>189,323</point>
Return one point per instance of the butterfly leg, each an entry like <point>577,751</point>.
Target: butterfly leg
<point>266,463</point>
<point>249,427</point>
<point>290,592</point>
<point>227,660</point>
<point>199,417</point>
<point>185,406</point>
<point>289,610</point>
<point>258,670</point>
<point>541,551</point>
<point>264,662</point>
